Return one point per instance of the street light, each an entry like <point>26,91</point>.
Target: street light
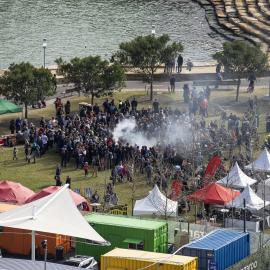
<point>44,45</point>
<point>153,31</point>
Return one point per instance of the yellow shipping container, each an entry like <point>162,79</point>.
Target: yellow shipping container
<point>129,259</point>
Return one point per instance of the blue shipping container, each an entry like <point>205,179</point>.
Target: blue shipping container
<point>219,249</point>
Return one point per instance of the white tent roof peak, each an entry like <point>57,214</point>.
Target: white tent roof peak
<point>264,189</point>
<point>155,203</point>
<point>253,201</point>
<point>262,163</point>
<point>56,213</point>
<point>236,178</point>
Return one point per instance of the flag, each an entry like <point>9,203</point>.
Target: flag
<point>211,169</point>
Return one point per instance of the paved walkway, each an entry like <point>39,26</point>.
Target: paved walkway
<point>163,86</point>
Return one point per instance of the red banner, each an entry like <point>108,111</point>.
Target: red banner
<point>211,169</point>
<point>176,188</point>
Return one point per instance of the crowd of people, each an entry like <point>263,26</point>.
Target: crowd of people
<point>85,141</point>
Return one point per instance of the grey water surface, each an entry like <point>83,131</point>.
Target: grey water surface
<point>83,27</point>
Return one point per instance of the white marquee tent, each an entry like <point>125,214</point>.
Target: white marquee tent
<point>55,213</point>
<point>253,202</point>
<point>260,190</point>
<point>236,178</point>
<point>155,204</point>
<point>262,163</point>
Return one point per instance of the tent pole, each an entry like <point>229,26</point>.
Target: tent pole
<point>33,253</point>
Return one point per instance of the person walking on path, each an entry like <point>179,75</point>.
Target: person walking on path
<point>251,79</point>
<point>189,65</point>
<point>172,84</point>
<point>180,61</point>
<point>186,93</point>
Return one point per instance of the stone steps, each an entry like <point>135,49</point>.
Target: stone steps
<point>253,10</point>
<point>223,14</point>
<point>248,19</point>
<point>264,7</point>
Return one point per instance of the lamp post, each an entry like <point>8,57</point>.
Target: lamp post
<point>153,31</point>
<point>44,45</point>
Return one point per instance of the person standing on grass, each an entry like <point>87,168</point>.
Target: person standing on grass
<point>44,139</point>
<point>67,108</point>
<point>12,126</point>
<point>26,150</point>
<point>64,156</point>
<point>15,152</point>
<point>58,172</point>
<point>134,104</point>
<point>95,166</point>
<point>58,181</point>
<point>156,106</point>
<point>34,152</point>
<point>18,124</point>
<point>86,168</point>
<point>68,181</point>
<point>95,198</point>
<point>114,199</point>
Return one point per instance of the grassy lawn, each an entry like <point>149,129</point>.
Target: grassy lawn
<point>41,174</point>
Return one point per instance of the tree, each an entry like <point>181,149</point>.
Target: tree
<point>147,53</point>
<point>93,75</point>
<point>26,84</point>
<point>241,59</point>
<point>44,82</point>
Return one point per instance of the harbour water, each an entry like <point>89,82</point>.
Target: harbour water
<point>83,27</point>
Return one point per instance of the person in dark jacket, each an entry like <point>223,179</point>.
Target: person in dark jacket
<point>67,108</point>
<point>172,84</point>
<point>134,104</point>
<point>12,126</point>
<point>180,61</point>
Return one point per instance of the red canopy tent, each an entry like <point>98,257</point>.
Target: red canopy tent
<point>214,193</point>
<point>78,199</point>
<point>12,192</point>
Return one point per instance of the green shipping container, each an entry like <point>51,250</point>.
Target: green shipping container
<point>125,232</point>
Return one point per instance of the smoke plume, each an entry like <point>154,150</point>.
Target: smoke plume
<point>126,131</point>
<point>177,133</point>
